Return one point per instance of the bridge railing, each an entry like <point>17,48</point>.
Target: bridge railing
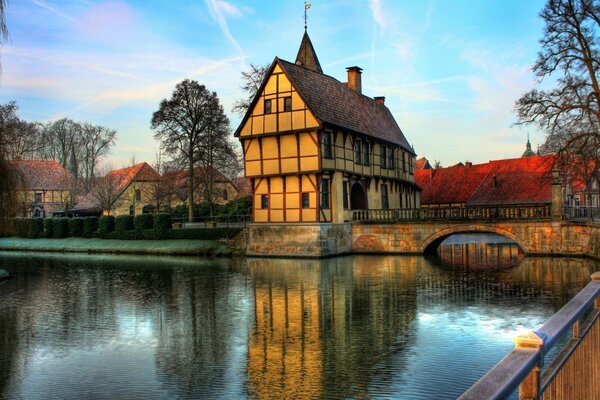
<point>581,213</point>
<point>572,374</point>
<point>453,214</point>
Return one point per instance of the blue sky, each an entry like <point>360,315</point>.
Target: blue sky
<point>450,70</point>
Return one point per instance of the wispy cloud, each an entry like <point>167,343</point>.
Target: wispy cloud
<point>219,10</point>
<point>52,9</point>
<point>377,13</point>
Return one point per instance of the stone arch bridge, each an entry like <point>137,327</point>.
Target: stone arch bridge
<point>534,230</point>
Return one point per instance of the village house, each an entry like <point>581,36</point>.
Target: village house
<point>316,148</point>
<point>134,189</point>
<point>209,185</point>
<point>45,187</point>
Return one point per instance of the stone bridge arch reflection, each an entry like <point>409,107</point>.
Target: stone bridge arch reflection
<point>430,244</point>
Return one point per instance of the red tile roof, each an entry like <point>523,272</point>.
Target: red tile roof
<point>243,185</point>
<point>43,175</point>
<point>141,172</point>
<point>500,182</point>
<point>422,163</point>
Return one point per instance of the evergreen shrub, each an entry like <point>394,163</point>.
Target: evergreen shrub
<point>123,224</point>
<point>90,226</point>
<point>60,227</point>
<point>48,227</point>
<point>76,227</point>
<point>162,225</point>
<point>22,227</point>
<point>36,228</point>
<point>106,225</point>
<point>141,222</point>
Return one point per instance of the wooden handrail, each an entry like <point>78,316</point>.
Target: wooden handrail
<point>522,364</point>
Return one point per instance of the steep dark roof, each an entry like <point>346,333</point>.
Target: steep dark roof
<point>43,175</point>
<point>334,103</point>
<point>307,57</point>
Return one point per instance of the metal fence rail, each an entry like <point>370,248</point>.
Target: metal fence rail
<point>453,214</point>
<point>217,221</point>
<point>521,367</point>
<point>581,213</point>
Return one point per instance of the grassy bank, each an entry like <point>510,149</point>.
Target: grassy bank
<point>112,246</point>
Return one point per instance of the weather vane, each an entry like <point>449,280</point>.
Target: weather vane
<point>306,7</point>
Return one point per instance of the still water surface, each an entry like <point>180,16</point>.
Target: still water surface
<point>116,327</point>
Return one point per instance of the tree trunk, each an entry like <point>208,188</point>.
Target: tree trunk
<point>191,190</point>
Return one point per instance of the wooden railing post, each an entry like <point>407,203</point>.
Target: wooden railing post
<point>530,387</point>
<point>596,277</point>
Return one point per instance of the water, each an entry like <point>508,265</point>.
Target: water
<point>118,327</point>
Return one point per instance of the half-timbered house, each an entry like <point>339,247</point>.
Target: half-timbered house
<point>316,148</point>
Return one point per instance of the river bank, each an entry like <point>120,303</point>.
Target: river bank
<point>112,246</point>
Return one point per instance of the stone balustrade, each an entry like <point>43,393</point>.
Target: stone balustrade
<point>529,212</point>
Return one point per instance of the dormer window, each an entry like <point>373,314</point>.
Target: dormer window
<point>268,106</point>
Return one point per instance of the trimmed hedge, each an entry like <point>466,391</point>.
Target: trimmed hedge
<point>162,225</point>
<point>48,227</point>
<point>22,227</point>
<point>76,227</point>
<point>123,224</point>
<point>60,227</point>
<point>90,226</point>
<point>106,225</point>
<point>205,234</point>
<point>36,228</point>
<point>142,222</point>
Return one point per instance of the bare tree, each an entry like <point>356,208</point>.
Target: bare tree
<point>251,81</point>
<point>106,191</point>
<point>61,141</point>
<point>182,124</point>
<point>570,112</point>
<point>96,141</point>
<point>20,137</point>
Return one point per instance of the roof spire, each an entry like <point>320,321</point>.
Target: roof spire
<point>528,152</point>
<point>306,7</point>
<point>306,55</point>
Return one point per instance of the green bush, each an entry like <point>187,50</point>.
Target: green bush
<point>123,223</point>
<point>106,225</point>
<point>90,226</point>
<point>141,222</point>
<point>60,227</point>
<point>22,227</point>
<point>36,228</point>
<point>48,227</point>
<point>76,227</point>
<point>241,206</point>
<point>162,225</point>
<point>204,234</point>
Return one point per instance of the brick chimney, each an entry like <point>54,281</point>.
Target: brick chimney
<point>380,99</point>
<point>354,80</point>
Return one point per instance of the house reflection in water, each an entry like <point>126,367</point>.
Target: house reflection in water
<point>306,308</point>
<point>480,252</point>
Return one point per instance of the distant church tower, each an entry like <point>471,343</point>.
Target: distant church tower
<point>528,152</point>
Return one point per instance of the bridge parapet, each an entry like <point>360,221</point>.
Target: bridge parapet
<point>527,212</point>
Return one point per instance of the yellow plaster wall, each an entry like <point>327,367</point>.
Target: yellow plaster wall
<point>285,199</point>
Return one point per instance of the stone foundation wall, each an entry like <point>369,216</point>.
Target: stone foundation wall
<point>299,240</point>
